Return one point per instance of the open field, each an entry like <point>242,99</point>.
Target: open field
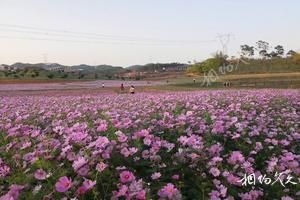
<point>228,77</point>
<point>151,145</point>
<point>72,85</point>
<point>267,80</point>
<point>172,81</point>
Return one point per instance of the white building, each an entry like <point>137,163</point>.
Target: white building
<point>53,67</point>
<point>7,68</point>
<point>69,69</point>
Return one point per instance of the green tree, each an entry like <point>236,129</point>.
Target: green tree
<point>263,53</point>
<point>80,76</point>
<point>263,48</point>
<point>273,54</point>
<point>291,53</point>
<point>50,76</point>
<point>206,66</point>
<point>65,75</point>
<point>279,50</point>
<point>247,50</point>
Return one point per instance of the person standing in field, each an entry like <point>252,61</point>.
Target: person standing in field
<point>122,87</point>
<point>131,89</point>
<point>102,84</point>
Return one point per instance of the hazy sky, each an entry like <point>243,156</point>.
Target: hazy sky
<point>120,32</point>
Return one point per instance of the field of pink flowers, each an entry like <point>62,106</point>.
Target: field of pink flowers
<point>179,145</point>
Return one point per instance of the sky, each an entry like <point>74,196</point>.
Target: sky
<point>124,33</point>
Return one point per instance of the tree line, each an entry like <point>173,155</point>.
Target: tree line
<point>264,50</point>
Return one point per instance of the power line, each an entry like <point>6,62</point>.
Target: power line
<point>99,39</point>
<point>87,41</point>
<point>85,35</point>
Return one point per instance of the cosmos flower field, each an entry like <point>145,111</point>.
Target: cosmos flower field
<point>168,145</point>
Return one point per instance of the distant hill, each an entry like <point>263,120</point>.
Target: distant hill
<point>98,68</point>
<point>102,68</point>
<point>81,67</point>
<point>58,71</point>
<point>83,71</point>
<point>19,65</point>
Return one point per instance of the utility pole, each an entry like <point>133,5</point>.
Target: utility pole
<point>224,41</point>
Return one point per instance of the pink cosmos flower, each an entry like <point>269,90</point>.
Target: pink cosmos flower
<point>175,177</point>
<point>136,186</point>
<point>133,150</point>
<point>215,149</point>
<point>106,155</point>
<point>235,157</point>
<point>83,171</point>
<point>218,127</point>
<point>101,166</point>
<point>183,140</point>
<point>234,180</point>
<point>86,186</point>
<point>147,141</point>
<point>40,174</point>
<point>122,137</point>
<point>272,164</point>
<point>253,194</point>
<point>189,113</point>
<point>122,191</point>
<point>234,119</point>
<point>286,198</point>
<point>169,191</point>
<point>80,162</point>
<point>214,195</point>
<point>71,156</point>
<point>214,171</point>
<point>63,184</point>
<point>101,142</point>
<point>35,133</point>
<point>126,176</point>
<point>125,152</point>
<point>223,190</point>
<point>194,141</point>
<point>141,195</point>
<point>4,170</point>
<point>156,175</point>
<point>102,127</point>
<point>215,160</point>
<point>81,190</point>
<point>142,133</point>
<point>258,146</point>
<point>193,156</point>
<point>145,154</point>
<point>13,193</point>
<point>26,145</point>
<point>89,184</point>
